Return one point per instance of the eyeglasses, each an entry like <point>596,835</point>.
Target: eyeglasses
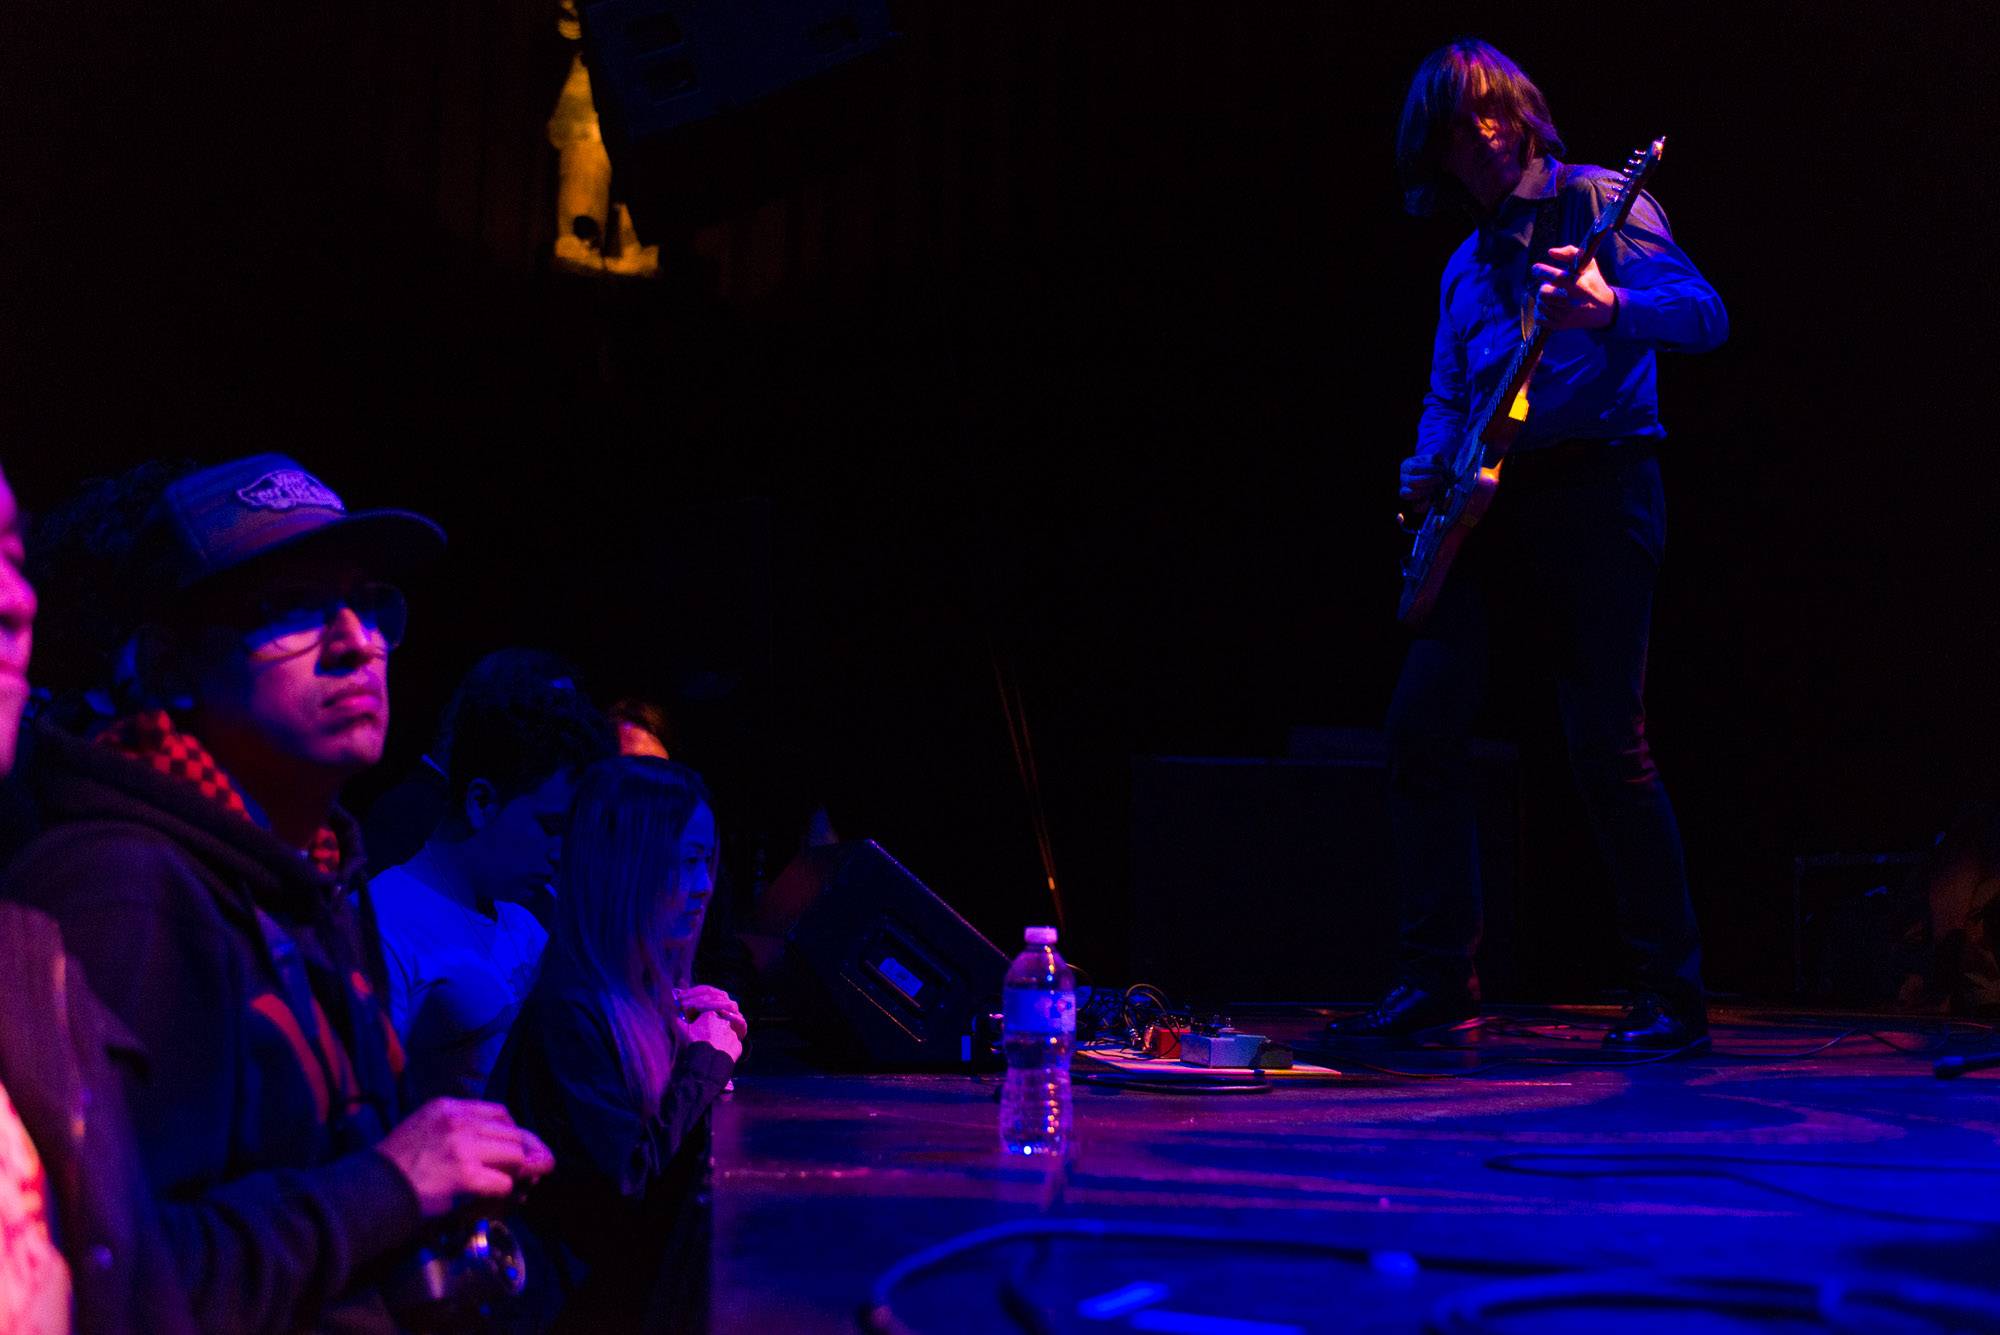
<point>285,623</point>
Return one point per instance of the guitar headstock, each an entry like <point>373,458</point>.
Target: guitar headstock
<point>1638,169</point>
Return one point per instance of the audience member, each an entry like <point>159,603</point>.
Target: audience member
<point>458,946</point>
<point>617,1057</point>
<point>69,1158</point>
<point>643,728</point>
<point>17,625</point>
<point>199,868</point>
<point>401,819</point>
<point>722,958</point>
<point>80,561</point>
<point>34,1278</point>
<point>78,558</point>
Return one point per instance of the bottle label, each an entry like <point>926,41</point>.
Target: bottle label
<point>1026,1011</point>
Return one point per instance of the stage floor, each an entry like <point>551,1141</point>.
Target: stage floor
<point>1857,1191</point>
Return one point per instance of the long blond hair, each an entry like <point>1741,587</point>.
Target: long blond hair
<point>618,888</point>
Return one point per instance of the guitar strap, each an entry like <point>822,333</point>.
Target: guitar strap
<point>1542,238</point>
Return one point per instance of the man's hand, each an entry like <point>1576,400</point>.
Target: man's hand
<point>1573,301</point>
<point>701,998</point>
<point>1423,474</point>
<point>456,1150</point>
<point>712,1028</point>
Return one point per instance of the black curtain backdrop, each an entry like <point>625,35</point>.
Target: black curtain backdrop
<point>1083,337</point>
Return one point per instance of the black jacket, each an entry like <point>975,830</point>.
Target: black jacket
<point>59,1050</point>
<point>261,1068</point>
<point>616,1237</point>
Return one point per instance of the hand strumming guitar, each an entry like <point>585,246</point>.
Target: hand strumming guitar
<point>1423,474</point>
<point>1573,301</point>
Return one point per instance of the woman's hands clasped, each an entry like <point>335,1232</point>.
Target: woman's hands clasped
<point>713,1017</point>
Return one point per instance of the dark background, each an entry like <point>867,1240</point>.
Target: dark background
<point>1081,337</point>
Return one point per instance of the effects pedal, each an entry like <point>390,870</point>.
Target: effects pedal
<point>1227,1047</point>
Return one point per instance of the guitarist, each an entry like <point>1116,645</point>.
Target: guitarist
<point>1574,536</point>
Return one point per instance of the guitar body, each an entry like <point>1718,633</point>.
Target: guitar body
<point>1476,471</point>
<point>1433,552</point>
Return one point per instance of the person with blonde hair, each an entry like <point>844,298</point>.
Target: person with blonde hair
<point>617,1055</point>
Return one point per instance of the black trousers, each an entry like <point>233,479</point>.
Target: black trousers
<point>1564,565</point>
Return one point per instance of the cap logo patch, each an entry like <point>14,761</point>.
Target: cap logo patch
<point>287,489</point>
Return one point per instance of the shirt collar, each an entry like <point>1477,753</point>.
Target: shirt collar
<point>1514,220</point>
<point>1538,179</point>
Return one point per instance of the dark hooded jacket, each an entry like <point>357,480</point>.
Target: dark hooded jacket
<point>260,1068</point>
<point>57,1061</point>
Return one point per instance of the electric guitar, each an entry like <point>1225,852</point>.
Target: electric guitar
<point>1462,501</point>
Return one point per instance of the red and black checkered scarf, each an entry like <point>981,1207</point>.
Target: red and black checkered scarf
<point>153,737</point>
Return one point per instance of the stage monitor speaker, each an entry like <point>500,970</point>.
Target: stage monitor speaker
<point>1271,879</point>
<point>892,973</point>
<point>1858,925</point>
<point>666,74</point>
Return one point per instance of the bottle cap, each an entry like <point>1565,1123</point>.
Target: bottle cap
<point>1040,936</point>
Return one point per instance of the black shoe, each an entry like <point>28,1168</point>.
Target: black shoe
<point>1406,1010</point>
<point>1650,1027</point>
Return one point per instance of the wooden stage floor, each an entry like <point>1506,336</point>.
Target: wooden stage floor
<point>1764,1186</point>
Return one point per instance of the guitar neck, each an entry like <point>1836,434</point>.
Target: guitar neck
<point>1447,521</point>
<point>1500,422</point>
<point>1521,369</point>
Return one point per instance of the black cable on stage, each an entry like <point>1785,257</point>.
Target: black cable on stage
<point>1125,1030</point>
<point>1721,1054</point>
<point>1891,1302</point>
<point>1346,1058</point>
<point>1858,1031</point>
<point>878,1314</point>
<point>1022,1309</point>
<point>1521,1288</point>
<point>1531,1163</point>
<point>1173,1084</point>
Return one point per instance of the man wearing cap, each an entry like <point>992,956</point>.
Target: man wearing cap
<point>199,869</point>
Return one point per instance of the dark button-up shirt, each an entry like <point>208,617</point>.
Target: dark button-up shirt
<point>1593,384</point>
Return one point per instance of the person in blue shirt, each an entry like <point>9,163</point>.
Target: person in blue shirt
<point>1567,556</point>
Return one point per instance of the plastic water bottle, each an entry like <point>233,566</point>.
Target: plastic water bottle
<point>1037,1030</point>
